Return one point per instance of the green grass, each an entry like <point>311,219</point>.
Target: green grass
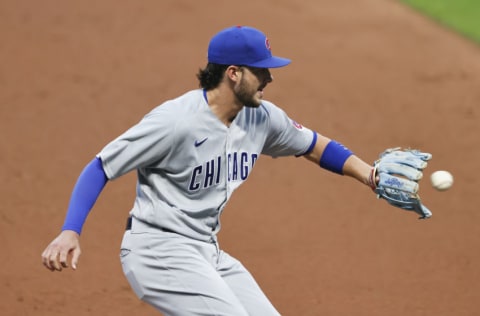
<point>462,16</point>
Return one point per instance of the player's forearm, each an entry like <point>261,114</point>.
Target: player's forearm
<point>358,169</point>
<point>89,185</point>
<point>335,157</point>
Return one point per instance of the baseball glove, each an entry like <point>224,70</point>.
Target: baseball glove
<point>395,177</point>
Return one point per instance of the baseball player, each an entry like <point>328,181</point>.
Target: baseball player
<point>190,154</point>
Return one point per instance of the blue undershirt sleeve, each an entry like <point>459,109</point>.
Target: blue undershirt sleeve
<point>89,185</point>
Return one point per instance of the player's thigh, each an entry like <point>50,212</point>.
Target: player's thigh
<point>245,287</point>
<point>170,274</point>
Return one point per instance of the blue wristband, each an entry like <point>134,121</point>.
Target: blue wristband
<point>89,185</point>
<point>334,157</point>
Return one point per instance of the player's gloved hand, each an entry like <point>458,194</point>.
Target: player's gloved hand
<point>395,177</point>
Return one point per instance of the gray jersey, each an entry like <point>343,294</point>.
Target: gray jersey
<point>189,163</point>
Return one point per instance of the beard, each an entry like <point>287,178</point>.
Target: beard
<point>247,95</point>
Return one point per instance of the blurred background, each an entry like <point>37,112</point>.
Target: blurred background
<point>372,74</point>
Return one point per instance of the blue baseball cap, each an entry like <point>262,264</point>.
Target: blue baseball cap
<point>243,46</point>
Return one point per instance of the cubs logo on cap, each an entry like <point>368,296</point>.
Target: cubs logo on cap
<point>267,44</point>
<point>243,46</point>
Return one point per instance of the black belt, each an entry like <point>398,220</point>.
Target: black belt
<point>128,226</point>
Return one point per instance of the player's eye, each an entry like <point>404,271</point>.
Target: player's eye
<point>260,73</point>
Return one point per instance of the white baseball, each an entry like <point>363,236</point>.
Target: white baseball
<point>441,180</point>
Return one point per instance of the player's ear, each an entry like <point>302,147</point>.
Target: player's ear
<point>233,73</point>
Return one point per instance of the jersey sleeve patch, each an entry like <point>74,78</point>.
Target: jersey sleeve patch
<point>297,125</point>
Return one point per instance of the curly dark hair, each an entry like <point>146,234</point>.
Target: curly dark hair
<point>210,77</point>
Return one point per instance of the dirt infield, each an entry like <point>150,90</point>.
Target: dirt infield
<point>370,73</point>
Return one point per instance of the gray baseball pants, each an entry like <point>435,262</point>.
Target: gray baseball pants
<point>180,276</point>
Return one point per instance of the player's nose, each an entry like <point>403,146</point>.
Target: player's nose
<point>265,75</point>
<point>269,78</point>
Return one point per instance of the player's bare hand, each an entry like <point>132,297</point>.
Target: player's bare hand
<point>55,256</point>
